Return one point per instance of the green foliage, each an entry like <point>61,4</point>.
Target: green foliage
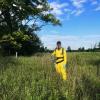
<point>14,12</point>
<point>69,48</point>
<point>15,16</point>
<point>81,49</point>
<point>22,43</point>
<point>51,18</point>
<point>34,78</point>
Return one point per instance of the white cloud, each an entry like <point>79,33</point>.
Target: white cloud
<point>78,12</point>
<point>78,3</point>
<point>67,10</point>
<point>70,40</point>
<point>94,2</point>
<point>58,8</point>
<point>97,9</point>
<point>79,7</point>
<point>74,7</point>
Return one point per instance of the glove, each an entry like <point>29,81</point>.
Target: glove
<point>64,66</point>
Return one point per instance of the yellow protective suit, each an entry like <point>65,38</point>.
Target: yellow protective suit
<point>61,61</point>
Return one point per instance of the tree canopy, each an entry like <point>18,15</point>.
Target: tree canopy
<point>15,18</point>
<point>16,14</point>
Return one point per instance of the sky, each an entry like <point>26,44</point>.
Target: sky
<point>80,24</point>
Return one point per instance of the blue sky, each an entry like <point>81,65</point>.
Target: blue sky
<point>80,24</point>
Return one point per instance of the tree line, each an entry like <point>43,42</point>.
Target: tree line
<point>82,49</point>
<point>96,48</point>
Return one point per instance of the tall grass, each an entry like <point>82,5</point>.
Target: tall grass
<point>35,78</point>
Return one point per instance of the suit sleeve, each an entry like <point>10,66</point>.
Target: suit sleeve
<point>65,57</point>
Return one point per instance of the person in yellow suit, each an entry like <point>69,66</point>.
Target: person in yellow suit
<point>60,60</point>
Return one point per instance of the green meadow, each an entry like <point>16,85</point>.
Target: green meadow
<point>35,78</point>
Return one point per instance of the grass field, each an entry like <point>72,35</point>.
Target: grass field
<point>34,78</point>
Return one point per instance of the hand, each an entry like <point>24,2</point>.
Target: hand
<point>64,65</point>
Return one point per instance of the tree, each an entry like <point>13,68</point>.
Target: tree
<point>69,48</point>
<point>15,17</point>
<point>16,14</point>
<point>81,49</point>
<point>22,43</point>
